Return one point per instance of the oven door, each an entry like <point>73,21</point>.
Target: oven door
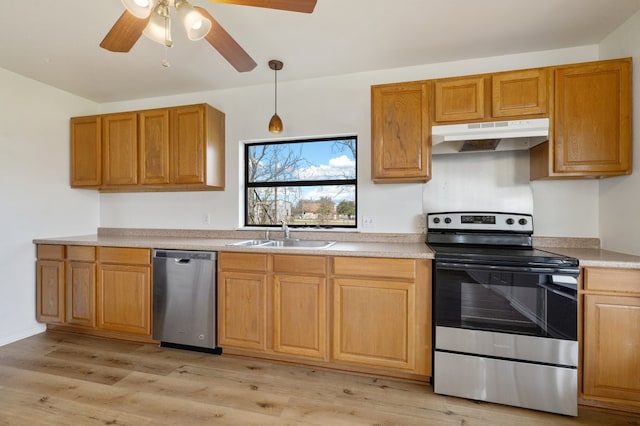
<point>506,334</point>
<point>526,301</point>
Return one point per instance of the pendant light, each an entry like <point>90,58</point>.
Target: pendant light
<point>275,124</point>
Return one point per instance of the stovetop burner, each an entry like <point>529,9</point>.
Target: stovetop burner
<point>489,238</point>
<point>508,256</point>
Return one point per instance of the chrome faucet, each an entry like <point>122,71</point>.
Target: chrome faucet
<point>285,229</point>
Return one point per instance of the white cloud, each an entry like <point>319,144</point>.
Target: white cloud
<point>339,167</point>
<point>342,162</point>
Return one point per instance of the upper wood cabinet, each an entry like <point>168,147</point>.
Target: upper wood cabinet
<point>165,149</point>
<point>591,122</point>
<point>197,146</point>
<point>520,93</point>
<point>459,99</point>
<point>120,149</point>
<point>491,97</point>
<point>400,132</point>
<point>86,152</point>
<point>153,147</point>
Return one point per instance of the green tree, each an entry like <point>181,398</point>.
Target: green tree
<point>347,208</point>
<point>325,210</point>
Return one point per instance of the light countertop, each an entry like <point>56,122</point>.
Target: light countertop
<point>409,249</point>
<point>347,244</point>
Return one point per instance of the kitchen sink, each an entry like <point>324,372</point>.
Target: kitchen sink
<point>249,243</point>
<point>292,243</point>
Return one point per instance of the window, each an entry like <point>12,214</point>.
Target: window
<point>308,182</point>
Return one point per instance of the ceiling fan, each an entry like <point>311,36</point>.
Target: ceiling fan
<point>152,19</point>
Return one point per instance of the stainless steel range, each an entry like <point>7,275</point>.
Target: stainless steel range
<point>505,314</point>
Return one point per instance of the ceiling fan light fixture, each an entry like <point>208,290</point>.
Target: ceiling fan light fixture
<point>139,8</point>
<point>158,28</point>
<point>275,124</point>
<point>196,25</point>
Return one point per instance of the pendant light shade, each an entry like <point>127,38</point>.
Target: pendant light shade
<point>275,124</point>
<point>139,8</point>
<point>196,25</point>
<point>159,28</point>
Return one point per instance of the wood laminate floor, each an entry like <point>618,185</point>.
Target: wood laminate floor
<point>56,378</point>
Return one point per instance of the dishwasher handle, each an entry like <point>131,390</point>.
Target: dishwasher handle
<point>185,256</point>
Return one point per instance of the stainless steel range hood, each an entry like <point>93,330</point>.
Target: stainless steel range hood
<point>491,136</point>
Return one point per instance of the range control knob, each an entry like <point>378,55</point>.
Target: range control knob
<point>510,221</point>
<point>447,220</point>
<point>436,220</point>
<point>522,221</point>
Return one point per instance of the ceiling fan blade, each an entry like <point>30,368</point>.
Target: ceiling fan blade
<point>305,6</point>
<point>222,41</point>
<point>124,33</point>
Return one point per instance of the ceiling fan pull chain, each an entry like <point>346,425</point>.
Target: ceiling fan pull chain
<point>165,60</point>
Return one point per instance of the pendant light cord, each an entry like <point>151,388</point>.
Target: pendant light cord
<point>275,106</point>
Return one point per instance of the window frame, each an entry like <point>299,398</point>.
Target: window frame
<point>298,183</point>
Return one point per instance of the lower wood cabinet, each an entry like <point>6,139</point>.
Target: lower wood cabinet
<point>273,304</point>
<point>300,306</point>
<point>611,338</point>
<point>382,313</point>
<point>124,290</point>
<point>354,313</point>
<point>103,291</point>
<point>81,286</point>
<point>50,283</point>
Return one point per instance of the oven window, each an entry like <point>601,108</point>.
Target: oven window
<point>511,302</point>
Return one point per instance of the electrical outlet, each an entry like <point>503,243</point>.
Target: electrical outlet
<point>368,222</point>
<point>206,218</point>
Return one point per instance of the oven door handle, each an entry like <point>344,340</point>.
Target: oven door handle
<point>572,296</point>
<point>475,267</point>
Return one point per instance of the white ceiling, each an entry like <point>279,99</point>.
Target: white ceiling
<point>56,42</point>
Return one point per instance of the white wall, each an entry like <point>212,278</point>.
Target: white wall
<point>620,196</point>
<point>338,105</point>
<point>34,184</point>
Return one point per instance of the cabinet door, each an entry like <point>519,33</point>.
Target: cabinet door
<point>459,99</point>
<point>374,322</point>
<point>401,148</point>
<point>124,298</point>
<point>519,93</point>
<point>81,296</point>
<point>153,144</point>
<point>50,291</point>
<point>188,145</point>
<point>86,155</point>
<point>612,347</point>
<point>299,315</point>
<point>120,149</point>
<point>592,120</point>
<point>242,310</point>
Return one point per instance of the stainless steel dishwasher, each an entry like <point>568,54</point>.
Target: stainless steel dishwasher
<point>184,299</point>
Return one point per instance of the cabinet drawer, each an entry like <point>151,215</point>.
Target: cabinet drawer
<point>375,267</point>
<point>243,261</point>
<point>50,251</point>
<point>81,253</point>
<point>315,265</point>
<point>612,279</point>
<point>129,256</point>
